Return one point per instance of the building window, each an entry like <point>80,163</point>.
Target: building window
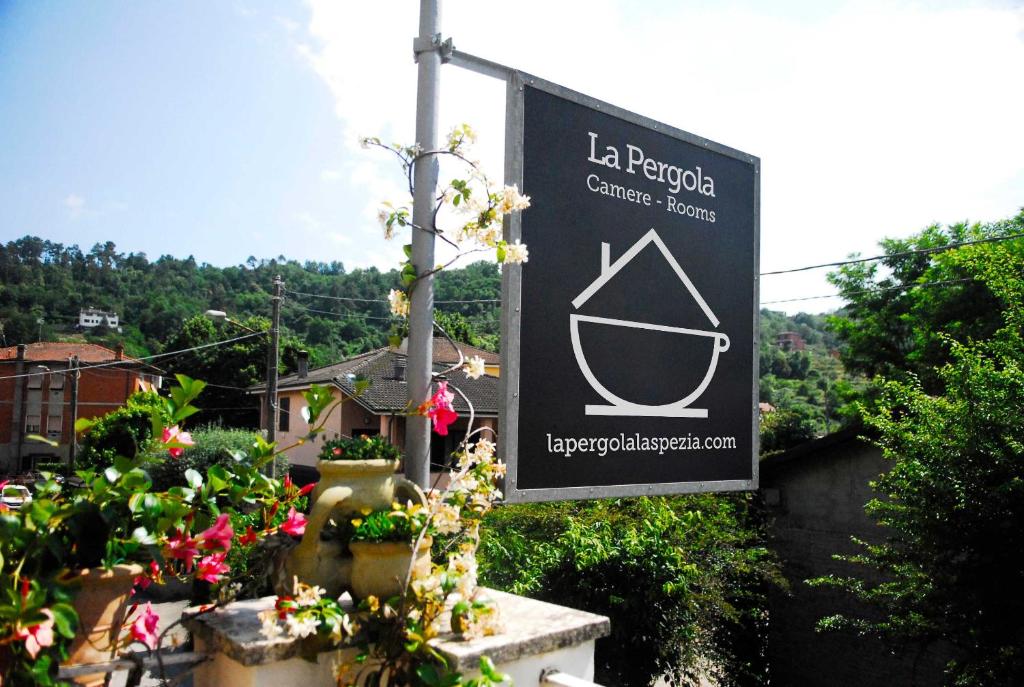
<point>32,424</point>
<point>284,406</point>
<point>53,426</point>
<point>35,381</point>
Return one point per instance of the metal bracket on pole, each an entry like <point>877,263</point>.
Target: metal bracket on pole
<point>444,47</point>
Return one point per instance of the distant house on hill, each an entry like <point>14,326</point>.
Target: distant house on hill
<point>815,495</point>
<point>35,396</point>
<point>791,341</point>
<point>89,318</point>
<point>381,408</point>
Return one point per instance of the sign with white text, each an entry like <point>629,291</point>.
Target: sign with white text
<point>629,351</point>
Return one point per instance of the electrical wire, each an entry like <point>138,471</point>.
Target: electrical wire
<point>130,361</point>
<point>901,254</point>
<point>902,287</point>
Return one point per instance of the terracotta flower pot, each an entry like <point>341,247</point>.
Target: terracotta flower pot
<point>379,568</point>
<point>102,603</point>
<point>346,487</point>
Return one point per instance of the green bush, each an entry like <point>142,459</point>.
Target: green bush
<point>361,447</point>
<point>123,432</point>
<point>213,446</point>
<point>683,580</point>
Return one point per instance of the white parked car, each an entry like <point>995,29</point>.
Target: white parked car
<point>15,496</point>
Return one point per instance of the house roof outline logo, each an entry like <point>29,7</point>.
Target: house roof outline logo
<point>609,270</point>
<point>618,405</point>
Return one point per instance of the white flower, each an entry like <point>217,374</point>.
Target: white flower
<point>309,596</point>
<point>270,629</point>
<point>484,450</point>
<point>516,253</point>
<point>512,200</point>
<point>301,627</point>
<point>364,142</point>
<point>474,367</point>
<point>399,303</point>
<point>490,235</point>
<point>446,520</point>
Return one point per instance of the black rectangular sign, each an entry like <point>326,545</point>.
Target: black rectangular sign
<point>630,336</point>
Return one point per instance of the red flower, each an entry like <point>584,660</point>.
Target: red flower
<point>336,451</point>
<point>144,627</point>
<point>184,548</point>
<point>306,489</point>
<point>37,636</point>
<point>249,537</point>
<point>212,567</point>
<point>144,580</point>
<point>176,440</point>
<point>294,524</point>
<point>219,535</point>
<point>440,410</point>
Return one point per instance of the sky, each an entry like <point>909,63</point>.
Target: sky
<point>228,129</point>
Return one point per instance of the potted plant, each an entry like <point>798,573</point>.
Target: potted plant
<point>69,559</point>
<point>383,545</point>
<point>357,474</point>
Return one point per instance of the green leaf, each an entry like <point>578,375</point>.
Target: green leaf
<point>112,474</point>
<point>142,536</point>
<point>40,439</point>
<point>65,619</point>
<point>407,249</point>
<point>84,424</point>
<point>490,672</point>
<point>429,675</point>
<point>193,478</point>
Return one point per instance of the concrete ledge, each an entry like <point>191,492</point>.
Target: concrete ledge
<point>530,627</point>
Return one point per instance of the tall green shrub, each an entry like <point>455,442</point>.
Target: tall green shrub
<point>683,580</point>
<point>123,432</point>
<point>953,502</point>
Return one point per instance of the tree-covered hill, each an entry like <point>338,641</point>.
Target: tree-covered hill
<point>329,311</point>
<point>42,280</point>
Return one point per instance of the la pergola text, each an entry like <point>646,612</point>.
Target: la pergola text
<point>677,179</point>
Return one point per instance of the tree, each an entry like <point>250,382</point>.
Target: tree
<point>953,501</point>
<point>903,312</point>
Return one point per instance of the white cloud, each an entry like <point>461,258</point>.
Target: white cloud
<point>75,205</point>
<point>873,119</point>
<point>330,175</point>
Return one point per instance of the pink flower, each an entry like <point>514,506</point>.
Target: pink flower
<point>184,548</point>
<point>294,524</point>
<point>219,535</point>
<point>177,440</point>
<point>37,636</point>
<point>145,579</point>
<point>144,627</point>
<point>440,409</point>
<point>212,567</point>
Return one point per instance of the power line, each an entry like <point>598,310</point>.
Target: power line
<point>130,361</point>
<point>384,300</point>
<point>902,287</point>
<point>919,251</point>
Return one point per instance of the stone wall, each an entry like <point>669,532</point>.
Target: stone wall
<point>815,496</point>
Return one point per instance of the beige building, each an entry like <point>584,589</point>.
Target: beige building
<point>381,408</point>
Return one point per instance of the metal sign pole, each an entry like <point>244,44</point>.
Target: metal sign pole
<point>427,48</point>
<point>273,358</point>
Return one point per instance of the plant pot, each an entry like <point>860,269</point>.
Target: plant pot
<point>346,487</point>
<point>102,603</point>
<point>380,568</point>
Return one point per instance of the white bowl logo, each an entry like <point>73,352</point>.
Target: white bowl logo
<point>620,406</point>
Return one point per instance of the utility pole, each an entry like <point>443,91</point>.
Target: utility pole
<point>427,49</point>
<point>73,374</point>
<point>273,356</point>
